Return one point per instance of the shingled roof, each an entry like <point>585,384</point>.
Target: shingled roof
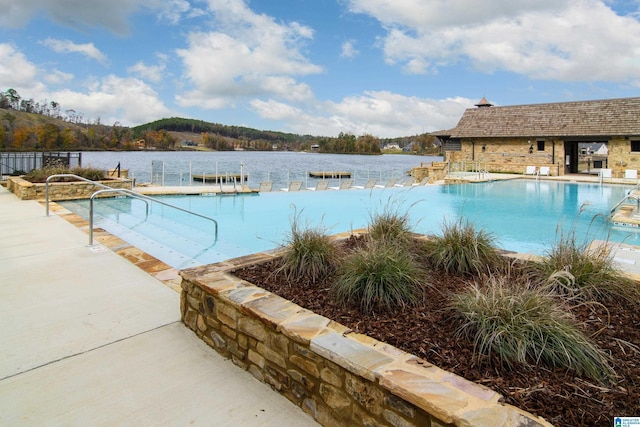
<point>611,117</point>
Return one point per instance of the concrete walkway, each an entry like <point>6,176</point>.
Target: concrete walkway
<point>87,338</point>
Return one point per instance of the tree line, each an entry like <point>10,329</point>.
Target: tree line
<point>23,129</point>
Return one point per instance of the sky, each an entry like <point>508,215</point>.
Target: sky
<point>387,68</point>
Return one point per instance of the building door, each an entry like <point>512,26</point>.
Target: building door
<point>570,157</point>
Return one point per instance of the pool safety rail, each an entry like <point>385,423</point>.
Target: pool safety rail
<point>470,170</point>
<point>107,190</point>
<point>631,196</point>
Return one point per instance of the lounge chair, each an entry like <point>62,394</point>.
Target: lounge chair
<point>344,185</point>
<point>369,184</point>
<point>605,174</point>
<point>545,171</point>
<point>391,183</point>
<point>406,183</point>
<point>320,186</point>
<point>294,186</point>
<point>631,174</point>
<point>265,186</point>
<point>531,170</point>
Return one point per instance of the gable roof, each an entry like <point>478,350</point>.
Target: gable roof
<point>611,117</point>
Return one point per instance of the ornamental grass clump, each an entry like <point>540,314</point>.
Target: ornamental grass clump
<point>390,226</point>
<point>584,272</point>
<point>379,276</point>
<point>463,249</point>
<point>528,326</point>
<point>310,253</point>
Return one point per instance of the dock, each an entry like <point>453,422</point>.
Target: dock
<point>212,177</point>
<point>330,174</point>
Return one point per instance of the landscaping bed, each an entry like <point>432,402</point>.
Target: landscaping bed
<point>427,330</point>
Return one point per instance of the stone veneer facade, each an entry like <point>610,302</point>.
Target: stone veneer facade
<point>26,190</point>
<point>510,155</point>
<point>337,376</point>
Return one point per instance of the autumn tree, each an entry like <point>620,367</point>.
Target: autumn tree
<point>216,142</point>
<point>23,138</point>
<point>367,144</point>
<point>69,139</point>
<point>49,136</point>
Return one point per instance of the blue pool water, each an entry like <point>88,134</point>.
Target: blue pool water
<point>523,215</point>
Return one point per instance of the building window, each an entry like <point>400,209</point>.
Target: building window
<point>453,145</point>
<point>540,145</point>
<point>635,146</point>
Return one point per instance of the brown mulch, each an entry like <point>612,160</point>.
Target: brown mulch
<point>427,331</point>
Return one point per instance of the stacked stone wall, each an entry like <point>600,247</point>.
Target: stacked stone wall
<point>510,156</point>
<point>337,376</point>
<point>435,171</point>
<point>621,157</point>
<point>26,190</point>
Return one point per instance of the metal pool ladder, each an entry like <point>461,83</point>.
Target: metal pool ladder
<point>133,194</point>
<point>631,196</point>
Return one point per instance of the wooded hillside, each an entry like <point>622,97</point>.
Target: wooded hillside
<point>29,125</point>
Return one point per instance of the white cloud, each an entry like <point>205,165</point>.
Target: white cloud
<point>110,14</point>
<point>15,70</point>
<point>274,110</point>
<point>245,55</point>
<point>382,114</point>
<point>172,10</point>
<point>578,40</point>
<point>153,73</point>
<point>349,50</point>
<point>56,77</point>
<point>67,46</point>
<point>128,101</point>
<point>447,13</point>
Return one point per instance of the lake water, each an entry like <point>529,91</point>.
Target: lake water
<point>175,168</point>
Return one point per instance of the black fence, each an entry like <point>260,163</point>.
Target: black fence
<point>18,163</point>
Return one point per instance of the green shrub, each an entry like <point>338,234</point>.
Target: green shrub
<point>526,325</point>
<point>390,226</point>
<point>463,249</point>
<point>41,175</point>
<point>589,273</point>
<point>379,275</point>
<point>310,253</point>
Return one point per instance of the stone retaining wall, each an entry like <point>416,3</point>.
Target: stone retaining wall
<point>436,171</point>
<point>337,376</point>
<point>26,190</point>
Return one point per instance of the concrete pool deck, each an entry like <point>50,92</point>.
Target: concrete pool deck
<point>88,338</point>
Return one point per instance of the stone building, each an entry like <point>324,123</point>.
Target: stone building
<point>508,139</point>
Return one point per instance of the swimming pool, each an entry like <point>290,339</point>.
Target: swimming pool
<point>523,215</point>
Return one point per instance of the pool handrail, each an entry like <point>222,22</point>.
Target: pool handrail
<point>107,189</point>
<point>80,178</point>
<point>145,199</point>
<point>629,195</point>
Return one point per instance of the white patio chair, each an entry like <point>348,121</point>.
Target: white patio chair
<point>631,174</point>
<point>344,185</point>
<point>605,174</point>
<point>369,184</point>
<point>391,183</point>
<point>531,170</point>
<point>294,186</point>
<point>406,183</point>
<point>265,186</point>
<point>545,171</point>
<point>320,186</point>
